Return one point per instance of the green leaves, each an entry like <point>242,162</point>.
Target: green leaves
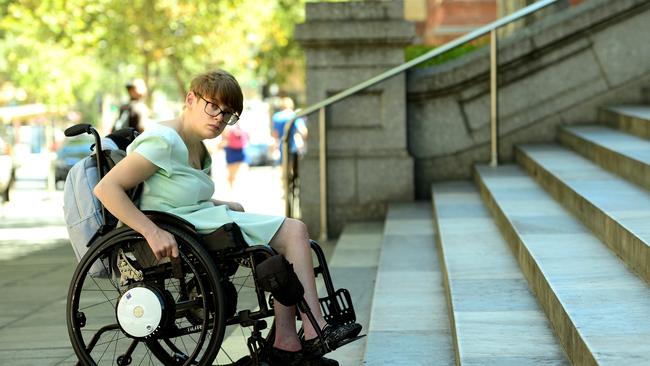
<point>69,52</point>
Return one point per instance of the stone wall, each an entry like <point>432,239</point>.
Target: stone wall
<point>559,71</point>
<point>368,165</point>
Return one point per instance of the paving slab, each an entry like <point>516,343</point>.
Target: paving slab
<point>496,318</point>
<point>33,303</point>
<point>599,309</point>
<point>409,323</point>
<point>353,265</point>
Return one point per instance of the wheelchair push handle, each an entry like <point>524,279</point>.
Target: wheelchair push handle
<point>78,129</point>
<point>85,128</point>
<point>99,157</point>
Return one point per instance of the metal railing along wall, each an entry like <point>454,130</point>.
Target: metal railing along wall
<point>289,161</point>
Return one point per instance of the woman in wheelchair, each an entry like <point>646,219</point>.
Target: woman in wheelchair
<point>172,163</point>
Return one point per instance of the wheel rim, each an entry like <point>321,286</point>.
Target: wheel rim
<point>93,298</point>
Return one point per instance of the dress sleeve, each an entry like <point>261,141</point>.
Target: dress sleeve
<point>156,148</point>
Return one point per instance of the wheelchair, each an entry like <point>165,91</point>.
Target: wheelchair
<point>205,307</point>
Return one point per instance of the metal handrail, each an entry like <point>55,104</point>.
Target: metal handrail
<point>490,28</point>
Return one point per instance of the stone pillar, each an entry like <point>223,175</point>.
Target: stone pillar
<point>368,163</point>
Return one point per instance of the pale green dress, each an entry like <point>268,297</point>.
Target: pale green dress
<point>181,190</point>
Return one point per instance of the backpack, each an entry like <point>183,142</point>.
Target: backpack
<point>123,117</point>
<point>81,209</point>
<point>129,116</point>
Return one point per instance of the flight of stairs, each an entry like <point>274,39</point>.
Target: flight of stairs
<point>540,262</point>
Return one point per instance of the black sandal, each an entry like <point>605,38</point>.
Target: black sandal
<point>332,335</point>
<point>279,357</point>
<point>320,361</point>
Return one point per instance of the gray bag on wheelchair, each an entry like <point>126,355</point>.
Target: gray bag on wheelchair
<point>81,209</point>
<point>276,275</point>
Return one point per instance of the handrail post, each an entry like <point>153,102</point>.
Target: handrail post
<point>322,155</point>
<point>493,99</point>
<point>284,142</point>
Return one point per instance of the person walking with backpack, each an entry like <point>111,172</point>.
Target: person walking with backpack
<point>297,134</point>
<point>172,162</point>
<point>135,113</point>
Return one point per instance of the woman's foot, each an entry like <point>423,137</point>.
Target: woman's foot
<point>280,357</point>
<point>321,361</point>
<point>332,335</point>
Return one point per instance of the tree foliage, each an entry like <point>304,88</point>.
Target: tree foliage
<point>69,52</point>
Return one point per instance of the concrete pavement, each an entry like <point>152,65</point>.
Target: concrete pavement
<point>32,307</point>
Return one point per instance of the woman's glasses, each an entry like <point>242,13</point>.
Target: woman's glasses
<point>213,110</point>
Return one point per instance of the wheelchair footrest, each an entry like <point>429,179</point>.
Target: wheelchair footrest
<point>337,308</point>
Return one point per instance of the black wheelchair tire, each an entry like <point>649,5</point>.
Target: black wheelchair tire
<point>187,244</point>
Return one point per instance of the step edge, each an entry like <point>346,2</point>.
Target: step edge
<point>597,225</point>
<point>574,350</point>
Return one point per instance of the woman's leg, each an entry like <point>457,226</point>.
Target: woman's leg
<point>286,337</point>
<point>233,168</point>
<point>292,241</point>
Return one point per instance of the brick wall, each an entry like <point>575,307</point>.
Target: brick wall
<point>449,19</point>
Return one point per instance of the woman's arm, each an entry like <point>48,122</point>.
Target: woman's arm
<point>128,173</point>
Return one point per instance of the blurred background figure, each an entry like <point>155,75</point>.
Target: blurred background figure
<point>135,113</point>
<point>234,141</point>
<point>7,170</point>
<point>298,133</point>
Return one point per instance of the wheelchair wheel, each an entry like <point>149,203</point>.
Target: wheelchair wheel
<point>124,307</point>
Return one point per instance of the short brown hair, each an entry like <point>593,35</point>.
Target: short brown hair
<point>220,86</point>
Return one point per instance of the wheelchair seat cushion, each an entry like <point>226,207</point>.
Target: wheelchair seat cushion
<point>276,275</point>
<point>226,238</point>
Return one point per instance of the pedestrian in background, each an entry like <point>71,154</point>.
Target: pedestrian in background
<point>298,133</point>
<point>234,140</point>
<point>135,113</point>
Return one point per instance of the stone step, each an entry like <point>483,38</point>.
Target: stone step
<point>613,208</point>
<point>622,153</point>
<point>598,308</point>
<point>634,119</point>
<point>495,318</point>
<point>353,265</point>
<point>409,323</point>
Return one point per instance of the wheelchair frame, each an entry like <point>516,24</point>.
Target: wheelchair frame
<point>211,260</point>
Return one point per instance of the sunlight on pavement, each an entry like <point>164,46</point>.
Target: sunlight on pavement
<point>17,249</point>
<point>32,220</point>
<point>33,234</point>
<point>258,189</point>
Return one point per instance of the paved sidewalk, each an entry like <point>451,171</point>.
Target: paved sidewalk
<point>32,307</point>
<point>36,265</point>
